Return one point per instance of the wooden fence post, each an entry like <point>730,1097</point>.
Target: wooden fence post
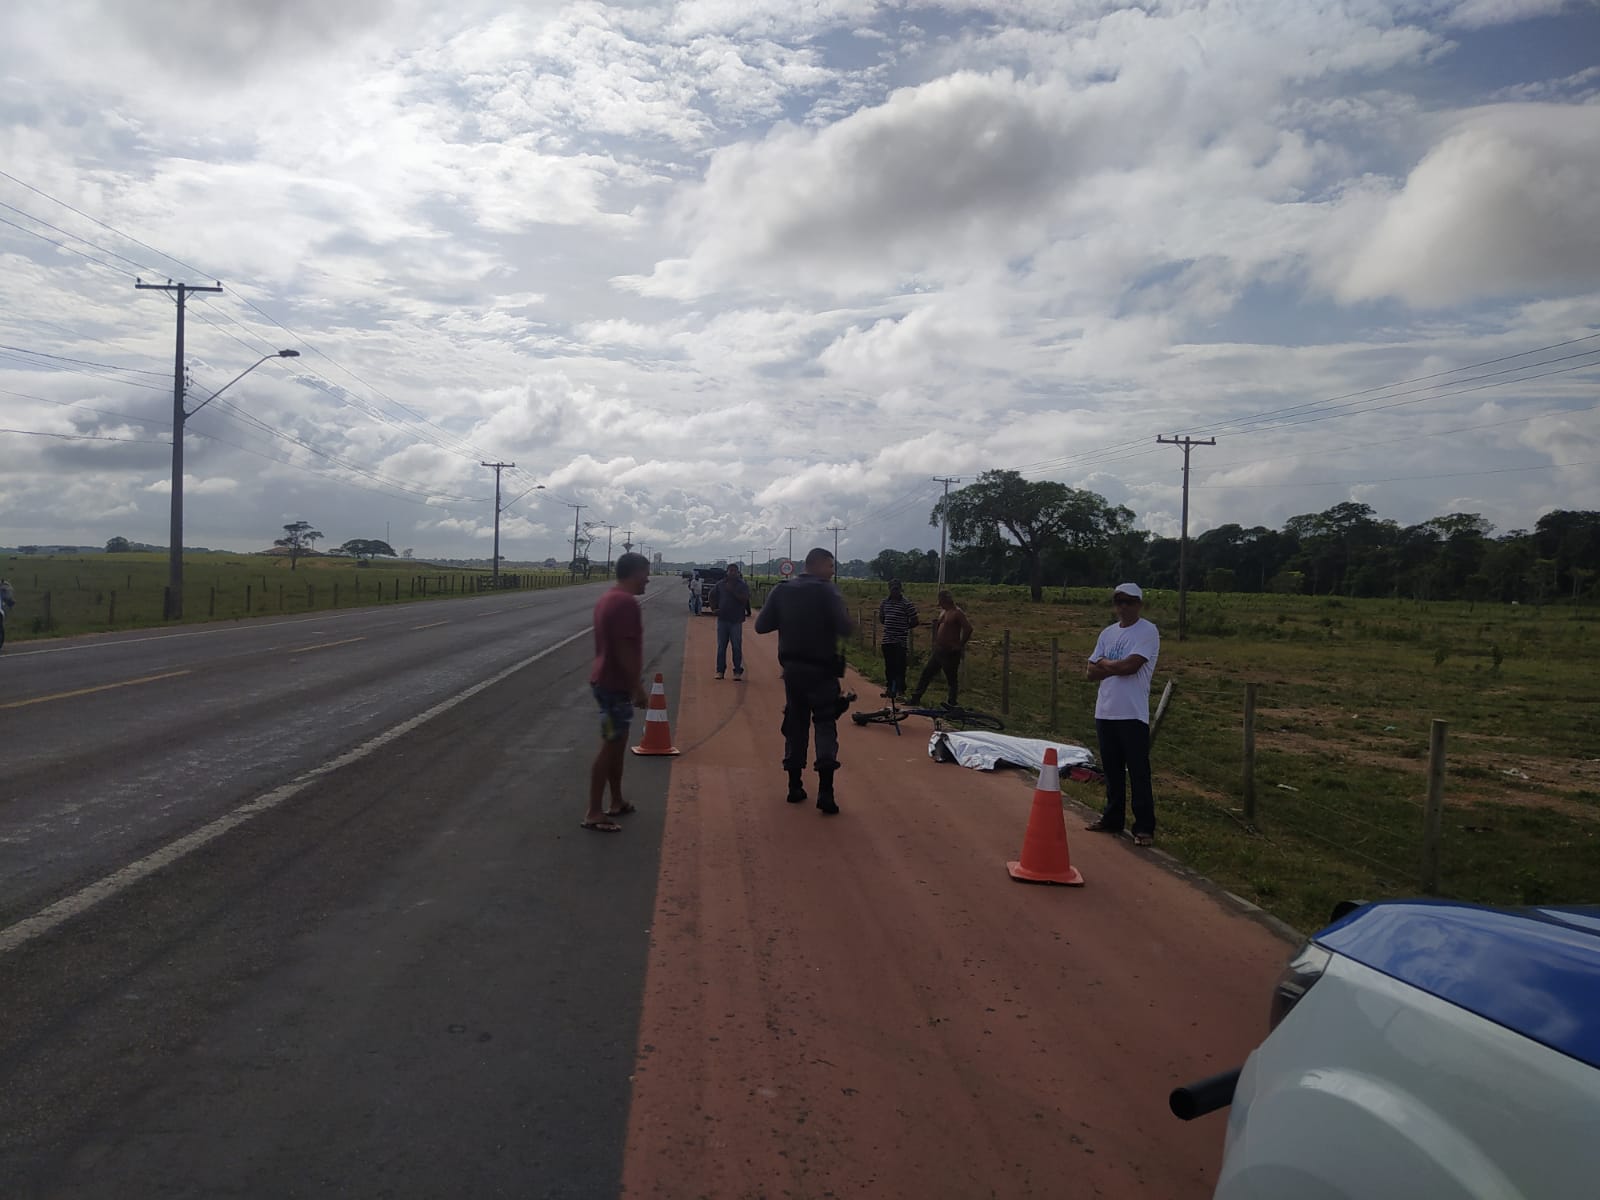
<point>166,602</point>
<point>111,616</point>
<point>1250,752</point>
<point>1055,682</point>
<point>1433,814</point>
<point>1005,676</point>
<point>247,599</point>
<point>211,605</point>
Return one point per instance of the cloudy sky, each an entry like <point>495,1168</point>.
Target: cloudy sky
<point>716,268</point>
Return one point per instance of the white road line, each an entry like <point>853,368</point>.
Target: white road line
<point>326,645</point>
<point>79,902</point>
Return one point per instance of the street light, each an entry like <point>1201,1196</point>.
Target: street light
<point>499,508</point>
<point>174,607</point>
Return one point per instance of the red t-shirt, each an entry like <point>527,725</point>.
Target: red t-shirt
<point>618,641</point>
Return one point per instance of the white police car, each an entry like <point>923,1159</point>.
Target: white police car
<point>1423,1049</point>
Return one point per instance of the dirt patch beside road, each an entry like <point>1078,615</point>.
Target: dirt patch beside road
<point>868,1005</point>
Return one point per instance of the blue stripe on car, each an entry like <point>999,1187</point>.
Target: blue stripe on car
<point>1533,971</point>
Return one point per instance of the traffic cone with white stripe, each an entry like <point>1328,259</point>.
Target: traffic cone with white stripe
<point>1045,858</point>
<point>657,730</point>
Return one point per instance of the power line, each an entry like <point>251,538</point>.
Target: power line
<point>82,362</point>
<point>82,437</point>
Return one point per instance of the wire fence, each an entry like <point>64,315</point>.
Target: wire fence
<point>1364,785</point>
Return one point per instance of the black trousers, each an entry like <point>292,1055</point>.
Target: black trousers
<point>1125,750</point>
<point>948,661</point>
<point>810,701</point>
<point>894,667</point>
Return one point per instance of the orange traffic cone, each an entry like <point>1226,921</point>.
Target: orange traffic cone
<point>1044,847</point>
<point>658,732</point>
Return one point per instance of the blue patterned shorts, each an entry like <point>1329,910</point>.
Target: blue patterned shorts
<point>616,714</point>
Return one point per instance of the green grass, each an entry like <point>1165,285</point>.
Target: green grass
<point>1348,690</point>
<point>58,596</point>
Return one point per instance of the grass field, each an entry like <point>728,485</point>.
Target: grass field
<point>58,596</point>
<point>1347,693</point>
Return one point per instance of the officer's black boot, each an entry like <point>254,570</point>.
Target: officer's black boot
<point>797,787</point>
<point>825,802</point>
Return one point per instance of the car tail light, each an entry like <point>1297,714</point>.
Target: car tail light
<point>1304,969</point>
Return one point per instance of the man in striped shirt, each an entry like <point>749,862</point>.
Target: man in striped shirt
<point>897,615</point>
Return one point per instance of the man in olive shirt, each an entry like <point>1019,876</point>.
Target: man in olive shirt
<point>951,633</point>
<point>809,616</point>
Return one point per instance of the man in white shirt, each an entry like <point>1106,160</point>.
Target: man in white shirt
<point>1123,662</point>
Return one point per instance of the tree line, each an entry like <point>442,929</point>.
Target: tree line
<point>1005,529</point>
<point>299,539</point>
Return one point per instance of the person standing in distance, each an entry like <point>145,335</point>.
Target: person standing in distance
<point>951,633</point>
<point>730,600</point>
<point>809,617</point>
<point>897,615</point>
<point>1123,662</point>
<point>618,684</point>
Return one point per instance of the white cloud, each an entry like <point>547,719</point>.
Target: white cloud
<point>1478,14</point>
<point>1504,205</point>
<point>715,268</point>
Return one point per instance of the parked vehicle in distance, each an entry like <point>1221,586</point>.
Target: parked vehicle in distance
<point>1422,1049</point>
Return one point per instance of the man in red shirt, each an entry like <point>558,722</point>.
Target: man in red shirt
<point>617,684</point>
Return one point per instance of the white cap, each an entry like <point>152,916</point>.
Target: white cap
<point>1128,589</point>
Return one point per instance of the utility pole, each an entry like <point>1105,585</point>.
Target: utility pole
<point>627,540</point>
<point>791,529</point>
<point>947,480</point>
<point>609,528</point>
<point>498,467</point>
<point>837,529</point>
<point>1188,444</point>
<point>768,563</point>
<point>752,562</point>
<point>174,610</point>
<point>576,510</point>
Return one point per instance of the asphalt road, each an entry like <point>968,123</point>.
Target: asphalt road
<point>301,907</point>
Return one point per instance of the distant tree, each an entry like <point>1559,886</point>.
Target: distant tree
<point>298,538</point>
<point>366,549</point>
<point>1032,518</point>
<point>406,553</point>
<point>27,549</point>
<point>118,545</point>
<point>1220,579</point>
<point>1287,583</point>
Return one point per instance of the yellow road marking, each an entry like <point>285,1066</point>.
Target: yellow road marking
<point>104,687</point>
<point>325,645</point>
<point>430,626</point>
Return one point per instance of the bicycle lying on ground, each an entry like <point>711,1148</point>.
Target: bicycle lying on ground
<point>949,716</point>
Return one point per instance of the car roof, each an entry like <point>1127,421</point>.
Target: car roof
<point>1535,971</point>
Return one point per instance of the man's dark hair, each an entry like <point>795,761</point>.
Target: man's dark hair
<point>944,594</point>
<point>631,564</point>
<point>818,556</point>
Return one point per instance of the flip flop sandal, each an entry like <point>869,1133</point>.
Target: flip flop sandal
<point>601,826</point>
<point>625,810</point>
